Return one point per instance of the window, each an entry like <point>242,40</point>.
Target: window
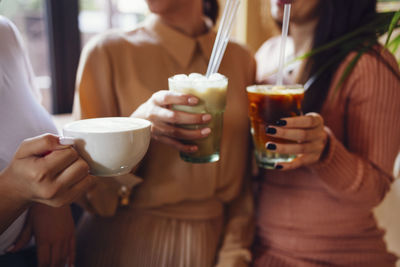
<point>99,15</point>
<point>95,16</point>
<point>388,5</point>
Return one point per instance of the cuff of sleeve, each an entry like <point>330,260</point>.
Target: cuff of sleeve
<point>329,150</point>
<point>338,168</point>
<point>235,259</point>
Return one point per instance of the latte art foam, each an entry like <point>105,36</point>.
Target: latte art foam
<point>103,125</point>
<point>276,89</point>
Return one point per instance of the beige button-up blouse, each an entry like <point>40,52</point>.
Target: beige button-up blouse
<point>120,71</point>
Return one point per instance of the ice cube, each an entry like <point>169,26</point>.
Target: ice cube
<point>180,77</point>
<point>216,77</point>
<point>196,77</point>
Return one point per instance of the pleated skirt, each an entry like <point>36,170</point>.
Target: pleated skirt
<point>140,238</point>
<point>363,259</point>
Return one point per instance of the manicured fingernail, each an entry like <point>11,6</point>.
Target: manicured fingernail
<point>206,117</point>
<point>270,130</point>
<point>193,100</point>
<point>281,123</point>
<point>10,248</point>
<point>278,167</point>
<point>206,131</point>
<point>271,146</point>
<point>66,141</point>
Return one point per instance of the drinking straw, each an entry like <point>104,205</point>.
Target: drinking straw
<point>285,28</point>
<point>222,39</point>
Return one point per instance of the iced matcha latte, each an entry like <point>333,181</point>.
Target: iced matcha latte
<point>211,92</point>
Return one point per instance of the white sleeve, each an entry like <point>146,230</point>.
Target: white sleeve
<point>27,64</point>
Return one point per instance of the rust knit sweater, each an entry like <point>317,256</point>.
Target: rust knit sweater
<point>321,215</point>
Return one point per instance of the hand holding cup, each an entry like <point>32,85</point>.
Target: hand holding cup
<point>47,172</point>
<point>165,121</point>
<point>308,135</point>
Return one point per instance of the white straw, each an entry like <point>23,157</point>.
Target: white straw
<point>223,34</point>
<point>220,37</point>
<point>225,41</point>
<point>285,29</point>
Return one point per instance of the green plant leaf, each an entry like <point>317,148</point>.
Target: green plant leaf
<point>360,40</point>
<point>387,64</point>
<point>378,26</point>
<point>392,26</point>
<point>394,44</point>
<point>349,69</point>
<point>331,61</point>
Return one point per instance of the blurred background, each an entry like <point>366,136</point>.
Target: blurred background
<point>55,31</point>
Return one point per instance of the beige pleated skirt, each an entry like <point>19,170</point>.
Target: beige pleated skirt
<point>145,239</point>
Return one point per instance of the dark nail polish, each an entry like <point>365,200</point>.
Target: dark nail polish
<point>281,123</point>
<point>271,146</point>
<point>278,167</point>
<point>270,130</point>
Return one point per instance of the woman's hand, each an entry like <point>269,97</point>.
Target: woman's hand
<point>45,171</point>
<point>308,131</point>
<point>54,232</point>
<point>165,121</point>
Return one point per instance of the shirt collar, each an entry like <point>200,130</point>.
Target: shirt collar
<point>180,46</point>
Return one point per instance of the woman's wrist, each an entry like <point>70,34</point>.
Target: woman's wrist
<point>11,193</point>
<point>12,204</point>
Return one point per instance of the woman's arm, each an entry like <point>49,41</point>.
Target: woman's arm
<point>361,169</point>
<point>239,226</point>
<point>239,230</point>
<point>12,205</point>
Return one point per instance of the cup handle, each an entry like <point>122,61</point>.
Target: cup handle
<point>66,141</point>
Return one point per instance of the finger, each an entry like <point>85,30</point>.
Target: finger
<point>43,255</point>
<point>72,175</point>
<point>24,237</point>
<point>71,248</point>
<point>295,149</point>
<point>180,133</point>
<point>310,120</point>
<point>59,160</point>
<point>164,98</point>
<point>298,135</point>
<point>39,146</point>
<point>299,161</point>
<point>75,191</point>
<point>176,144</point>
<point>160,114</point>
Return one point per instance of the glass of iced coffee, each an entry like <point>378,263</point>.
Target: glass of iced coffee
<point>267,105</point>
<point>211,93</point>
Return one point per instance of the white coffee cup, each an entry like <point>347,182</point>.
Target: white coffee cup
<point>111,146</point>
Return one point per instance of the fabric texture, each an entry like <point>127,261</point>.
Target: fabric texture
<point>121,70</point>
<point>321,215</point>
<point>21,115</point>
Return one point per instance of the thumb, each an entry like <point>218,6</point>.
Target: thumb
<point>39,146</point>
<point>23,238</point>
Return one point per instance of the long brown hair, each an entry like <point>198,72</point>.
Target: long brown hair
<point>211,9</point>
<point>337,17</point>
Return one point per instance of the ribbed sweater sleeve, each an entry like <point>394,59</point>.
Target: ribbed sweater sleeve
<point>360,168</point>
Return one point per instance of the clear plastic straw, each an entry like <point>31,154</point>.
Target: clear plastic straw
<point>225,41</point>
<point>285,29</point>
<point>222,38</point>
